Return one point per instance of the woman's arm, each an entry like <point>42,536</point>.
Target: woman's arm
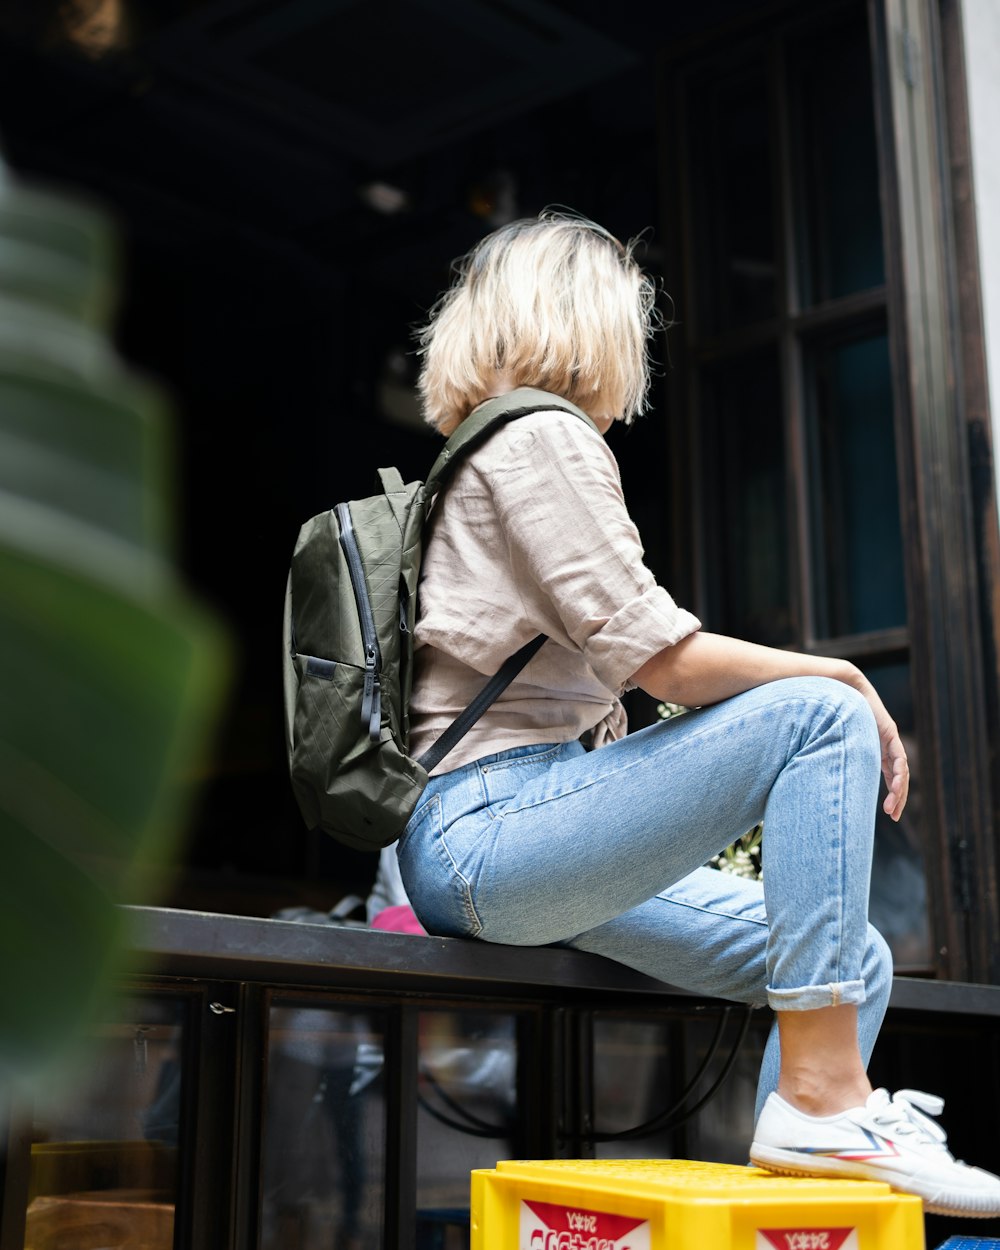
<point>707,668</point>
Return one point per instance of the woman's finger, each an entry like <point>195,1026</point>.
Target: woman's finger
<point>896,770</point>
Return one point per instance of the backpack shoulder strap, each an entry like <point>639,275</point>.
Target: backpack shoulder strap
<point>485,699</point>
<point>475,429</point>
<point>480,424</point>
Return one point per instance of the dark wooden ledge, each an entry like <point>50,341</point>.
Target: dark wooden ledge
<point>205,945</point>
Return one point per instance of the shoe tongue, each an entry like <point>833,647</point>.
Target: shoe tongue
<point>930,1104</point>
<point>878,1100</point>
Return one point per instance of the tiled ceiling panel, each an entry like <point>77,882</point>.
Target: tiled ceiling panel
<point>386,79</point>
<point>385,60</point>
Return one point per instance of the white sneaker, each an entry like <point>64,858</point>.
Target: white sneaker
<point>890,1139</point>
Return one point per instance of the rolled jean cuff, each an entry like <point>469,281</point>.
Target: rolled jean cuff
<point>809,997</point>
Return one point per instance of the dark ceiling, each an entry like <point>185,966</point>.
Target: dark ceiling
<point>274,116</point>
<point>292,179</point>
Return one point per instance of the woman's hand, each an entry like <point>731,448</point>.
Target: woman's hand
<point>895,766</point>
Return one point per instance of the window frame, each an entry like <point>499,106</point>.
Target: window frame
<point>946,621</point>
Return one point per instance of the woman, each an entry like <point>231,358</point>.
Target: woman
<point>524,837</point>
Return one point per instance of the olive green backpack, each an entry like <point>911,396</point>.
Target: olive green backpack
<point>350,609</point>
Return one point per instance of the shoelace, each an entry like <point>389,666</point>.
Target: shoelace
<point>908,1111</point>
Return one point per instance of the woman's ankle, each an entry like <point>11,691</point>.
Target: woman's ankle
<point>822,1095</point>
<point>822,1072</point>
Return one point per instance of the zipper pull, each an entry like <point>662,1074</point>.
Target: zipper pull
<point>371,703</point>
<point>404,607</point>
<point>375,724</point>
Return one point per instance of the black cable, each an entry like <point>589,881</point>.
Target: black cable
<point>671,1117</point>
<point>651,1125</point>
<point>475,1127</point>
<point>455,1124</point>
<point>668,1119</point>
<point>720,1079</point>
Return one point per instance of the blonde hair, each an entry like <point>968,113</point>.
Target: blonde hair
<point>554,302</point>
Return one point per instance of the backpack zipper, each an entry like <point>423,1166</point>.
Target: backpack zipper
<point>371,703</point>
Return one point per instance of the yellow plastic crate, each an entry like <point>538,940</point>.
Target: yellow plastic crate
<point>675,1204</point>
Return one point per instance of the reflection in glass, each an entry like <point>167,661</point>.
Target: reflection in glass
<point>899,877</point>
<point>840,222</point>
<point>857,539</point>
<point>728,141</point>
<point>104,1160</point>
<point>742,455</point>
<point>91,28</point>
<point>634,1080</point>
<point>467,1113</point>
<point>324,1131</point>
<point>643,1068</point>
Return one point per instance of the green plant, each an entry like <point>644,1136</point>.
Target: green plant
<point>109,673</point>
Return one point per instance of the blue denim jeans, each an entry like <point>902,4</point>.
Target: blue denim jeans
<point>603,851</point>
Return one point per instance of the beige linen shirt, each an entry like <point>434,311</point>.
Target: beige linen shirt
<point>530,537</point>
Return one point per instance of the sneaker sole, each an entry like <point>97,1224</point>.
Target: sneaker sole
<point>938,1202</point>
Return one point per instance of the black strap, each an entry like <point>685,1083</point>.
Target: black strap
<point>489,694</point>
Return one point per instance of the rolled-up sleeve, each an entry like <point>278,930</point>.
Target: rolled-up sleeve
<point>559,500</point>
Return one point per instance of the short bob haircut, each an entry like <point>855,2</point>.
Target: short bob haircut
<point>554,302</point>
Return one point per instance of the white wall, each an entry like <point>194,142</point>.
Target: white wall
<point>981,24</point>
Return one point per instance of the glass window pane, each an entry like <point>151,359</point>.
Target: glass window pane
<point>322,1175</point>
<point>744,511</point>
<point>858,582</point>
<point>643,1069</point>
<point>899,907</point>
<point>836,161</point>
<point>467,1114</point>
<point>104,1160</point>
<point>729,146</point>
<point>634,1080</point>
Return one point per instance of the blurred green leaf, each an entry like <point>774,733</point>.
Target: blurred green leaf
<point>109,674</point>
<point>90,448</point>
<point>50,1000</point>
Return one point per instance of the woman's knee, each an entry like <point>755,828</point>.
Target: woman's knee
<point>835,702</point>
